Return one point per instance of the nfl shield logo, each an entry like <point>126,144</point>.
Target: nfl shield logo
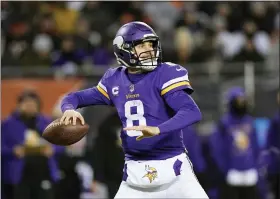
<point>131,88</point>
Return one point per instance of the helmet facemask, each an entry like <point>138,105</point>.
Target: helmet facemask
<point>147,60</point>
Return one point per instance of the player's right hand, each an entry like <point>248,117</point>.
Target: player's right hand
<point>19,151</point>
<point>147,131</point>
<point>69,115</point>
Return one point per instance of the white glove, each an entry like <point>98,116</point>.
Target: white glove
<point>71,114</point>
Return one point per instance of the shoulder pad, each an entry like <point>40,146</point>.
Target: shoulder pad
<point>173,77</point>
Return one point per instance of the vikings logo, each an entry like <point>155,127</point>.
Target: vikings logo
<point>151,173</point>
<point>242,141</point>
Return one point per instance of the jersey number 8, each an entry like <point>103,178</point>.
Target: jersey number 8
<point>137,116</point>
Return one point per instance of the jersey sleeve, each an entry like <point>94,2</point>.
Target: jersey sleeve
<point>97,95</point>
<point>103,85</point>
<point>174,77</point>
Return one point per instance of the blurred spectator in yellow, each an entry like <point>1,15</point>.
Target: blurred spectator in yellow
<point>183,44</point>
<point>65,18</point>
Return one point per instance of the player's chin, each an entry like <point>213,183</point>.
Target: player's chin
<point>148,68</point>
<point>149,65</point>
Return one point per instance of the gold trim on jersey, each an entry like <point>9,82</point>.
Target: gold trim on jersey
<point>103,92</point>
<point>173,86</point>
<point>175,80</point>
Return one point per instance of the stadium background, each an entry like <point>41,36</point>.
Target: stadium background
<point>56,47</point>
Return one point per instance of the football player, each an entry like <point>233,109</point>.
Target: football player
<point>153,101</point>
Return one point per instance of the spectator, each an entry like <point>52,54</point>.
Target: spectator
<point>263,16</point>
<point>248,53</point>
<point>102,56</point>
<point>206,50</point>
<point>65,18</point>
<point>42,46</point>
<point>190,19</point>
<point>183,44</point>
<point>82,36</point>
<point>46,25</point>
<point>17,43</point>
<point>157,12</point>
<point>28,167</point>
<point>250,41</point>
<point>225,39</point>
<point>68,59</point>
<point>99,16</point>
<point>40,54</point>
<point>237,153</point>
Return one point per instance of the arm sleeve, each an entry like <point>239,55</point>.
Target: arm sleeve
<point>6,150</point>
<point>92,96</point>
<point>187,112</point>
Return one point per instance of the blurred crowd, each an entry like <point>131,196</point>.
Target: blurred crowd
<point>69,35</point>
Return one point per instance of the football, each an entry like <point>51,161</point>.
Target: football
<point>64,135</point>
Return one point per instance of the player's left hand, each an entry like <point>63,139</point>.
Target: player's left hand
<point>148,131</point>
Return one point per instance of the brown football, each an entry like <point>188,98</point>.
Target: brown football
<point>60,134</point>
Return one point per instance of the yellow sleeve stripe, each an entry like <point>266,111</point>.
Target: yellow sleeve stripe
<point>169,88</point>
<point>103,92</point>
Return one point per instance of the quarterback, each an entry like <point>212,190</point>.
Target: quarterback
<point>154,105</point>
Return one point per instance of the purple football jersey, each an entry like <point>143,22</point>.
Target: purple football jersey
<point>143,103</point>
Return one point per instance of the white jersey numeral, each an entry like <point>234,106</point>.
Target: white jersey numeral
<point>138,116</point>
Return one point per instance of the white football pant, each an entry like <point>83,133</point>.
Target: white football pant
<point>184,185</point>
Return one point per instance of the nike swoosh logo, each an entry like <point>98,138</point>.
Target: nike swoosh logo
<point>179,69</point>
